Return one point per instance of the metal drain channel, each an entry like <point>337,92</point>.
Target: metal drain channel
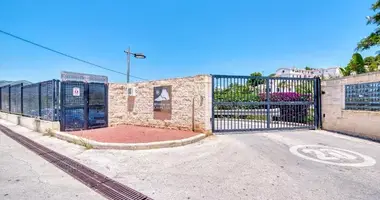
<point>98,182</point>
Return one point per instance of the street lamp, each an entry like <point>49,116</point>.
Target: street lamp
<point>136,55</point>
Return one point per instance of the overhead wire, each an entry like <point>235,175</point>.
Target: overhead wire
<point>67,55</point>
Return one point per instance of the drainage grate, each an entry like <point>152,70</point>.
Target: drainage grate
<point>100,183</point>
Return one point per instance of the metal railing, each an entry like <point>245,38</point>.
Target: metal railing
<point>35,100</point>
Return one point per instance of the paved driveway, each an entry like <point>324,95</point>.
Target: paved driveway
<point>244,166</point>
<point>249,166</point>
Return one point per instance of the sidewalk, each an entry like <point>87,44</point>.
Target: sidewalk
<point>126,137</point>
<point>133,134</point>
<point>129,137</point>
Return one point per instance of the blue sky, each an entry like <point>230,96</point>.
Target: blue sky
<point>179,38</point>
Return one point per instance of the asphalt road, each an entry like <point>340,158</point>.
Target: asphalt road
<point>250,166</point>
<point>241,124</point>
<point>265,165</point>
<point>25,175</point>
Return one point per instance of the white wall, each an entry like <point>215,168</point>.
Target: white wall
<point>30,122</point>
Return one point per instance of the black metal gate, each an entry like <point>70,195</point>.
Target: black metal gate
<point>248,103</point>
<point>83,105</point>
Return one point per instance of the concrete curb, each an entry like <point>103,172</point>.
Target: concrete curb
<point>128,146</point>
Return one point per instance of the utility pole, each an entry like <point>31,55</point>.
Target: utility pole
<point>128,63</point>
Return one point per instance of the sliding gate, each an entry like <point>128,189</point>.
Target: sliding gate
<point>248,103</point>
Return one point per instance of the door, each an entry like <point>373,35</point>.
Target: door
<point>97,105</point>
<point>73,105</point>
<point>83,105</point>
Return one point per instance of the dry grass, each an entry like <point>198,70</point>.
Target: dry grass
<point>49,132</point>
<point>83,143</point>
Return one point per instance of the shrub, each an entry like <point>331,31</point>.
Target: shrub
<point>290,113</point>
<point>285,96</point>
<point>237,95</point>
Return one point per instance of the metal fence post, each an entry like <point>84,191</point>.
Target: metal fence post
<point>319,103</point>
<point>106,103</point>
<point>39,100</point>
<point>315,85</point>
<point>62,107</point>
<point>58,97</point>
<point>9,99</point>
<point>86,107</point>
<point>212,104</point>
<point>268,103</point>
<point>1,102</point>
<point>317,95</point>
<point>54,100</point>
<point>21,99</point>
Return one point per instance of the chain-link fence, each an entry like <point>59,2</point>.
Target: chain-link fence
<point>34,100</point>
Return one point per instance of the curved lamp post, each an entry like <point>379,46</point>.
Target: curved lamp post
<point>136,55</point>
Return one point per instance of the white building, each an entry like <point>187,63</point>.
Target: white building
<point>278,86</point>
<point>332,72</point>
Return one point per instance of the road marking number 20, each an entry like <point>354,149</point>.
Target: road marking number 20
<point>332,155</point>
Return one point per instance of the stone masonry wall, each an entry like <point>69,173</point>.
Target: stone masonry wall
<point>354,122</point>
<point>185,92</point>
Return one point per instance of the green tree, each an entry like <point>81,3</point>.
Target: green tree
<point>377,58</point>
<point>357,63</point>
<point>372,63</point>
<point>374,38</point>
<point>235,93</point>
<point>308,68</point>
<point>272,75</point>
<point>369,60</point>
<point>256,79</point>
<point>305,88</point>
<point>283,85</point>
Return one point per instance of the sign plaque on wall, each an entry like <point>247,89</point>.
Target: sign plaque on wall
<point>162,102</point>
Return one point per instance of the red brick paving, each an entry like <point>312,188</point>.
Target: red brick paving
<point>133,134</point>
